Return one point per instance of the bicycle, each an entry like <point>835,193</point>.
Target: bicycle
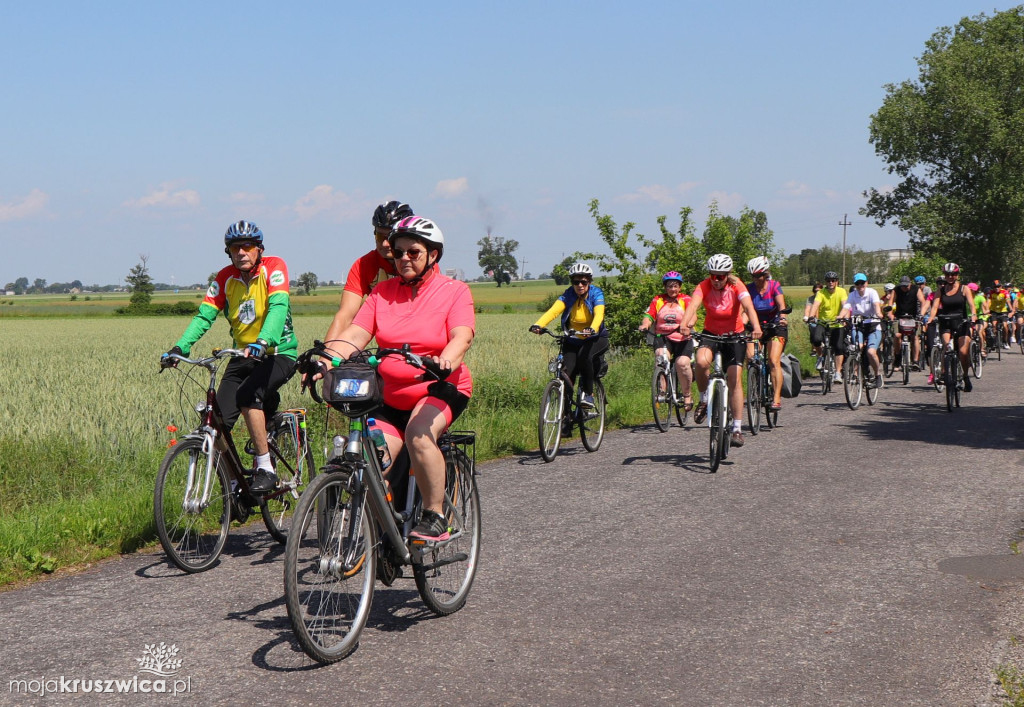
<point>857,376</point>
<point>828,357</point>
<point>760,388</point>
<point>974,353</point>
<point>202,485</point>
<point>886,351</point>
<point>908,328</point>
<point>352,530</point>
<point>952,371</point>
<point>719,408</point>
<point>666,398</point>
<point>994,337</point>
<point>560,411</point>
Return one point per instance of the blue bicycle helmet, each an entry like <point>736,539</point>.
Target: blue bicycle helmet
<point>243,231</point>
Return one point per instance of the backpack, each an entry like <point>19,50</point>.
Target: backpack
<point>791,381</point>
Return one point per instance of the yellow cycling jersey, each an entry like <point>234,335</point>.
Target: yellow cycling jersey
<point>830,304</point>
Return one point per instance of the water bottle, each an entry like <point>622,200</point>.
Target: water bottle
<point>339,447</point>
<point>377,435</point>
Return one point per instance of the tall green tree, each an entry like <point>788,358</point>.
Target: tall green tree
<point>953,137</point>
<point>141,286</point>
<point>307,282</point>
<point>497,258</point>
<point>560,273</point>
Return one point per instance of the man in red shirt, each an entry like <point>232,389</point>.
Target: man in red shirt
<point>374,267</point>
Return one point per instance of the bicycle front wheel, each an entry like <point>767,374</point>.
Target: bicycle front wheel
<point>905,366</point>
<point>661,399</point>
<point>936,367</point>
<point>852,381</point>
<point>549,425</point>
<point>888,359</point>
<point>870,389</point>
<point>681,413</point>
<point>716,424</point>
<point>445,572</point>
<point>592,421</point>
<point>950,382</point>
<point>977,362</point>
<point>330,565</point>
<point>192,531</point>
<point>295,467</point>
<point>828,371</point>
<point>754,398</point>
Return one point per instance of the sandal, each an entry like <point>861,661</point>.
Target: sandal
<point>776,407</point>
<point>688,403</point>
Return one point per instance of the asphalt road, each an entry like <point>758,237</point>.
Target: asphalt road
<point>846,558</point>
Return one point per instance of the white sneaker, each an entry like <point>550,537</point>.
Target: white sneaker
<point>1013,340</point>
<point>838,377</point>
<point>819,363</point>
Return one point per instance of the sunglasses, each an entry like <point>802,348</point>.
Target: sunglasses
<point>238,247</point>
<point>718,276</point>
<point>581,282</point>
<point>413,253</point>
<point>760,274</point>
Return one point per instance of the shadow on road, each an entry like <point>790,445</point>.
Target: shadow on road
<point>393,610</point>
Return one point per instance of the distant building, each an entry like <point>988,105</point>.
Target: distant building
<point>455,274</point>
<point>894,254</point>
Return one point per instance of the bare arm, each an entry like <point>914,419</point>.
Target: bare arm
<point>459,341</point>
<point>350,303</point>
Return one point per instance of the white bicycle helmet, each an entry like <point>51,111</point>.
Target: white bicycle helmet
<point>420,228</point>
<point>889,287</point>
<point>951,268</point>
<point>581,269</point>
<point>758,265</point>
<point>720,262</point>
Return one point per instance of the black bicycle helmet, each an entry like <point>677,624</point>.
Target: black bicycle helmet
<point>389,213</point>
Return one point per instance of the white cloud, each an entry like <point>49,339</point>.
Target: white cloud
<point>242,197</point>
<point>451,188</point>
<point>795,188</point>
<point>25,207</point>
<point>727,203</point>
<point>324,200</point>
<point>658,193</point>
<point>166,196</point>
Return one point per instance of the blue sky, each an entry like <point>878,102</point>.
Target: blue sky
<point>146,128</point>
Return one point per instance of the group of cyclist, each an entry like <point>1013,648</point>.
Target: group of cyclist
<point>949,311</point>
<point>396,294</point>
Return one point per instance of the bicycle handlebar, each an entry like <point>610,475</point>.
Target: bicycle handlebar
<point>206,362</point>
<point>308,367</point>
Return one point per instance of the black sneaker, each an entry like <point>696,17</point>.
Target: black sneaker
<point>263,482</point>
<point>432,528</point>
<point>968,386</point>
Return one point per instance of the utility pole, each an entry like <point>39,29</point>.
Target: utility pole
<point>844,223</point>
<point>522,273</point>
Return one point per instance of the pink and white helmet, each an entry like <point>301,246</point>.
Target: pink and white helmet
<point>420,228</point>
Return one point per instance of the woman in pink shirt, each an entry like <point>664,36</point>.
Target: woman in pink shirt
<point>725,300</point>
<point>434,315</point>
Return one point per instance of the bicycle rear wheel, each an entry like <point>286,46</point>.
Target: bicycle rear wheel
<point>906,363</point>
<point>192,533</point>
<point>592,421</point>
<point>977,362</point>
<point>852,381</point>
<point>716,420</point>
<point>888,358</point>
<point>330,566</point>
<point>661,403</point>
<point>549,425</point>
<point>754,398</point>
<point>295,467</point>
<point>445,572</point>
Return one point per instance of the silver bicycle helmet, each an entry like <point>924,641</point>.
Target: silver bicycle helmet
<point>720,262</point>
